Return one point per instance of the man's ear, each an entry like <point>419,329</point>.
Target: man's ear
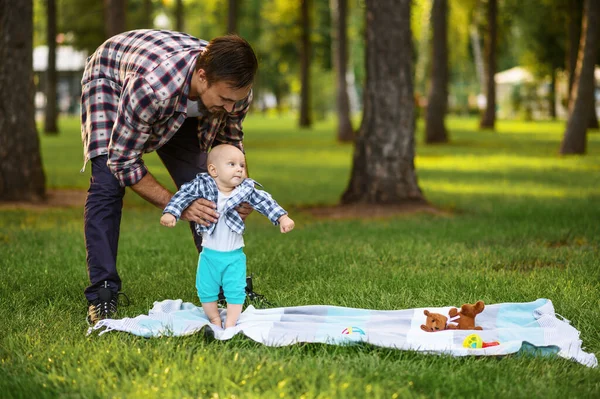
<point>212,170</point>
<point>201,74</point>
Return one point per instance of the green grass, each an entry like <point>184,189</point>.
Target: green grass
<point>524,224</point>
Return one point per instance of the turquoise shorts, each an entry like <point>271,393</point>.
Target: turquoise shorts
<point>218,269</point>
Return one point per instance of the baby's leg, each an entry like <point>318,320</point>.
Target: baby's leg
<point>212,311</point>
<point>207,284</point>
<point>233,314</point>
<point>234,286</point>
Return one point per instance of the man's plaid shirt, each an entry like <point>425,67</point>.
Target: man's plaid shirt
<point>204,186</point>
<point>134,99</point>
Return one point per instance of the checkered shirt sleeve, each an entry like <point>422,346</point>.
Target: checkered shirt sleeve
<point>136,113</point>
<point>188,193</point>
<point>266,205</point>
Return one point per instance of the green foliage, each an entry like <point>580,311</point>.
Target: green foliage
<point>83,21</point>
<point>272,27</point>
<point>540,33</point>
<point>39,23</point>
<point>203,18</point>
<point>521,224</point>
<point>356,42</point>
<point>530,32</point>
<point>461,64</point>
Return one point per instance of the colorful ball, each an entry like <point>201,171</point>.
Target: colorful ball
<point>473,341</point>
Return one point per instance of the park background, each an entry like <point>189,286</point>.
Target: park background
<point>496,193</point>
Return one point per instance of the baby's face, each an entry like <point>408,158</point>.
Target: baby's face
<point>231,168</point>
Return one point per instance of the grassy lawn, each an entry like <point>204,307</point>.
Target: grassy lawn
<point>524,224</point>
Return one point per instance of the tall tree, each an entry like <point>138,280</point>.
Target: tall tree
<point>232,16</point>
<point>84,20</point>
<point>339,12</point>
<point>114,17</point>
<point>476,45</point>
<point>488,118</point>
<point>541,40</point>
<point>179,13</point>
<point>574,17</point>
<point>21,173</point>
<point>51,111</point>
<point>437,103</point>
<point>582,92</point>
<point>147,20</point>
<point>305,50</point>
<point>383,170</point>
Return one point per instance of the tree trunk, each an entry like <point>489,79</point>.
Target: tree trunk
<point>488,119</point>
<point>114,17</point>
<point>21,173</point>
<point>574,36</point>
<point>179,25</point>
<point>477,57</point>
<point>305,118</point>
<point>339,14</point>
<point>232,13</point>
<point>574,141</point>
<point>148,21</point>
<point>552,96</point>
<point>383,170</point>
<point>593,119</point>
<point>51,112</point>
<point>437,103</point>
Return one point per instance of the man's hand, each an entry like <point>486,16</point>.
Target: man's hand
<point>286,224</point>
<point>244,209</point>
<point>168,220</point>
<point>201,211</point>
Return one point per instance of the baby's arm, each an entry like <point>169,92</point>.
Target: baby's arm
<point>286,224</point>
<point>188,193</point>
<point>168,220</point>
<point>266,205</point>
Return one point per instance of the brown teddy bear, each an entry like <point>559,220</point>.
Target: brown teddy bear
<point>435,322</point>
<point>458,320</point>
<point>466,316</point>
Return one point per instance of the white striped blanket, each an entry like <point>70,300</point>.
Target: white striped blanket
<point>515,327</point>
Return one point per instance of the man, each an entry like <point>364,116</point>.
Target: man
<point>162,91</point>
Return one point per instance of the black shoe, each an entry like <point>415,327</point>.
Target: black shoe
<point>208,333</point>
<point>254,298</point>
<point>221,302</point>
<point>105,306</point>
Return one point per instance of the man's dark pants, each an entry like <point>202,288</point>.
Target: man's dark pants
<point>102,218</point>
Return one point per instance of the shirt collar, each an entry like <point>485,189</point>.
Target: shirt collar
<point>183,100</point>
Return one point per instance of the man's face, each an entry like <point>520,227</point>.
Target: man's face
<point>220,97</point>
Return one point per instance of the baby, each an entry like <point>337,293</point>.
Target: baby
<point>222,262</point>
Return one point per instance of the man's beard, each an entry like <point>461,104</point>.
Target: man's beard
<point>217,111</point>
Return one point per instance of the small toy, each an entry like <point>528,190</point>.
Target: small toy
<point>435,322</point>
<point>456,320</point>
<point>474,341</point>
<point>466,316</point>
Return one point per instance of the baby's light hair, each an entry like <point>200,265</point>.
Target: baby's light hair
<point>217,151</point>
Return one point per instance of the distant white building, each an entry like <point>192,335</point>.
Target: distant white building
<point>69,66</point>
<point>518,92</point>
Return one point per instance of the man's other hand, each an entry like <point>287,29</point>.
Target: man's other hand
<point>244,209</point>
<point>201,211</point>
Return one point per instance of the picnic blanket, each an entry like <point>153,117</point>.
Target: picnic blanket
<point>518,327</point>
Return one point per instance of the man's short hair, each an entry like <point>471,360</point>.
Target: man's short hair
<point>228,59</point>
